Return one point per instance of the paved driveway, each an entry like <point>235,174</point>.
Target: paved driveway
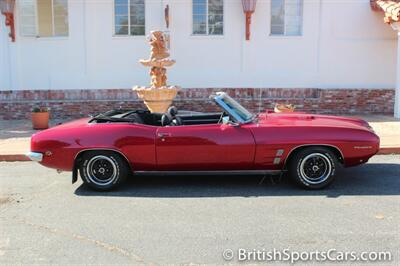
<point>183,220</point>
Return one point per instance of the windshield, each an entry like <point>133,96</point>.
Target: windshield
<point>233,108</point>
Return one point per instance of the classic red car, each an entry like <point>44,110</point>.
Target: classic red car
<point>107,148</point>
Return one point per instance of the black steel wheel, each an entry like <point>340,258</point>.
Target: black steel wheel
<point>313,167</point>
<point>103,170</point>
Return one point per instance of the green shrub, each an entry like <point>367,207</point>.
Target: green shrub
<point>38,109</point>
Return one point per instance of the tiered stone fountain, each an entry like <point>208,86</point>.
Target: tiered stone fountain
<point>158,97</point>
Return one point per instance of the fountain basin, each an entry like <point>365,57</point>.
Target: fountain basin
<point>157,63</point>
<point>157,100</point>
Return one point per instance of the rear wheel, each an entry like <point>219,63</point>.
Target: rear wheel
<point>103,170</point>
<point>313,168</point>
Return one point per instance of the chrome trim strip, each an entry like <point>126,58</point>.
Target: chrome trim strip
<point>101,149</point>
<point>216,172</point>
<point>35,156</point>
<point>305,145</point>
<point>362,147</point>
<point>224,106</point>
<point>219,100</point>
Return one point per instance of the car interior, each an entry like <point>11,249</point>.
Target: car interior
<point>172,117</point>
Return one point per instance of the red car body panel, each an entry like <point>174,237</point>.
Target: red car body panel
<point>350,136</point>
<point>205,147</point>
<point>64,142</point>
<point>262,145</point>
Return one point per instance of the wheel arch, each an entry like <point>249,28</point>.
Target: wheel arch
<point>78,160</point>
<point>338,153</point>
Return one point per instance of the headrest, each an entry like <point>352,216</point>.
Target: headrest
<point>166,119</point>
<point>173,111</point>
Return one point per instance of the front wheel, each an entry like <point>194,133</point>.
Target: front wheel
<point>103,170</point>
<point>313,168</point>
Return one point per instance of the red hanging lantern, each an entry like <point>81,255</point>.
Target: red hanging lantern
<point>249,6</point>
<point>7,9</point>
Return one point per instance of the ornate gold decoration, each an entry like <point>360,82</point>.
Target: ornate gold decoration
<point>284,108</point>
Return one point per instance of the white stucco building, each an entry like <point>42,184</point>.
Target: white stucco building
<point>310,52</point>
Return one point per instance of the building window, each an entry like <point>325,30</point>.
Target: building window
<point>129,17</point>
<point>208,17</point>
<point>43,18</point>
<point>286,17</point>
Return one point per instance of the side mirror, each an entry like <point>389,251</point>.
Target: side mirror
<point>227,121</point>
<point>234,124</point>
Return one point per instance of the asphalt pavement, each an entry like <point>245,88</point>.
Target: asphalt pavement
<point>195,219</point>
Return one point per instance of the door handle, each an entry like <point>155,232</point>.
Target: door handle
<point>163,135</point>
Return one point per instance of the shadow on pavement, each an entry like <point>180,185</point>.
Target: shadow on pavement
<point>369,179</point>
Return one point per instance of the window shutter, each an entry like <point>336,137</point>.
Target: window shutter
<point>199,16</point>
<point>277,17</point>
<point>137,17</point>
<point>60,13</point>
<point>121,16</point>
<point>27,11</point>
<point>215,17</point>
<point>293,17</point>
<point>286,17</point>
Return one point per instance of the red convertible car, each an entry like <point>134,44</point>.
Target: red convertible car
<point>107,148</point>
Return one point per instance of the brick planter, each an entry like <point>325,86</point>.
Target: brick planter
<point>78,103</point>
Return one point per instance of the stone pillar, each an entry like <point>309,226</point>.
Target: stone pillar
<point>397,92</point>
<point>396,27</point>
<point>5,75</point>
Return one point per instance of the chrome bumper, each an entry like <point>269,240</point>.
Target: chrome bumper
<point>35,156</point>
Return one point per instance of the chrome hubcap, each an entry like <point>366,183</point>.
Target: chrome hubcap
<point>101,170</point>
<point>315,168</point>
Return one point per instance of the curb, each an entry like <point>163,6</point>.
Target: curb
<point>13,158</point>
<point>389,150</point>
<point>24,158</point>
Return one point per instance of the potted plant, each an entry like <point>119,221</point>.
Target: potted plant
<point>40,118</point>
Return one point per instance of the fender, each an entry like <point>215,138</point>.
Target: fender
<point>77,161</point>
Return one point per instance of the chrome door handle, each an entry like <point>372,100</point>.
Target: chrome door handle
<point>163,135</point>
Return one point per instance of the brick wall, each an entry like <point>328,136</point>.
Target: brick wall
<point>78,103</point>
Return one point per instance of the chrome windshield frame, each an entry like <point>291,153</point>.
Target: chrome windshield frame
<point>219,99</point>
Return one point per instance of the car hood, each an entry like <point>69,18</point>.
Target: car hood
<point>302,119</point>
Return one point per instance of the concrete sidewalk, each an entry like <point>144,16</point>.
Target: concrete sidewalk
<point>15,136</point>
<point>15,139</point>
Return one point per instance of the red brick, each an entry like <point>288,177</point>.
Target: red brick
<point>78,103</point>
